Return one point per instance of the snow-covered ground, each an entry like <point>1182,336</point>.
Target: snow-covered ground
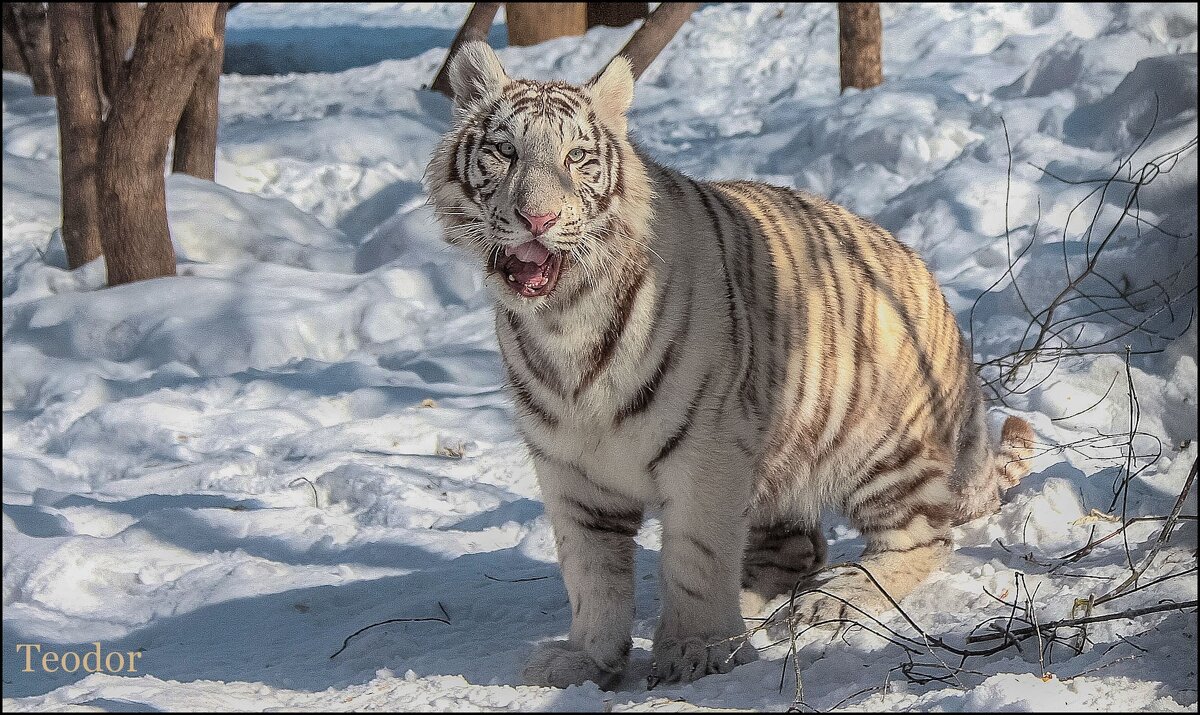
<point>304,433</point>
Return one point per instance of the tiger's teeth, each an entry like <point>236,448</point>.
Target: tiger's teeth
<point>512,278</point>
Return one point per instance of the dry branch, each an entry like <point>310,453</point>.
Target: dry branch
<point>474,28</point>
<point>655,33</point>
<point>1019,625</point>
<point>346,642</point>
<point>1163,536</point>
<point>1066,622</point>
<point>1090,300</point>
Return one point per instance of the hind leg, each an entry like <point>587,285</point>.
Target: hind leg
<point>779,554</point>
<point>903,510</point>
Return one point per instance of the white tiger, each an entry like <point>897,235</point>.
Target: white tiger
<point>734,355</point>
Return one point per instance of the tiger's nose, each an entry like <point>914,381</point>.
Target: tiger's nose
<point>538,224</point>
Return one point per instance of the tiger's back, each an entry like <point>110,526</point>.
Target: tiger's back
<point>855,352</point>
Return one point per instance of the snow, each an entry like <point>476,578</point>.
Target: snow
<point>304,433</point>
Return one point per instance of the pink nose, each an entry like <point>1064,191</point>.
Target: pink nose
<point>538,224</point>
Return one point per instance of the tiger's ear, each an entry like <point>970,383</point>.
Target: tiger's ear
<point>612,91</point>
<point>475,73</point>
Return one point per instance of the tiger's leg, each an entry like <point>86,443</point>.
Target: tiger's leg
<point>593,532</point>
<point>779,554</point>
<point>977,492</point>
<point>704,533</point>
<point>903,510</point>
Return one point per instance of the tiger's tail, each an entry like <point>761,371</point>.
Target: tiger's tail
<point>982,474</point>
<point>1011,460</point>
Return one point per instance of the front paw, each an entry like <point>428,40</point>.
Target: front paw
<point>558,664</point>
<point>686,659</point>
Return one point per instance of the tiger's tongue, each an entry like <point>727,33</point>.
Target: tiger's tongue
<point>530,252</point>
<point>531,258</point>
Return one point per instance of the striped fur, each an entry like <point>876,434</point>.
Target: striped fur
<point>737,355</point>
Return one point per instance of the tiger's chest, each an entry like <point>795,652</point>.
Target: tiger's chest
<point>613,458</point>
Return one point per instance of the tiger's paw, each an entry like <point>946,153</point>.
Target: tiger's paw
<point>685,660</point>
<point>557,664</point>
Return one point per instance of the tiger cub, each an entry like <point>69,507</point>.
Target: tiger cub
<point>735,355</point>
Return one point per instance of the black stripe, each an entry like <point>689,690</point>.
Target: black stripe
<point>615,165</point>
<point>540,453</point>
<point>644,397</point>
<point>624,523</point>
<point>526,399</point>
<point>864,465</point>
<point>704,548</point>
<point>772,227</point>
<point>905,453</point>
<point>852,417</point>
<point>819,256</point>
<point>746,242</point>
<point>734,298</point>
<point>772,232</point>
<point>939,541</point>
<point>680,432</point>
<point>689,591</point>
<point>755,565</point>
<point>604,351</point>
<point>770,537</point>
<point>891,497</point>
<point>541,370</point>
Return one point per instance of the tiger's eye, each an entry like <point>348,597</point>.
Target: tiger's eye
<point>575,155</point>
<point>507,149</point>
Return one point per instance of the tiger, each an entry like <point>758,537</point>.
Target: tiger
<point>732,356</point>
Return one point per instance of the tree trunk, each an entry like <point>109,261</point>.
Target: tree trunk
<point>475,27</point>
<point>14,58</point>
<point>74,40</point>
<point>860,44</point>
<point>532,22</point>
<point>655,33</point>
<point>116,30</point>
<point>196,135</point>
<point>33,37</point>
<point>173,42</point>
<point>615,14</point>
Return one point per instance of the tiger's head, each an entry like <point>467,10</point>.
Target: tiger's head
<point>538,179</point>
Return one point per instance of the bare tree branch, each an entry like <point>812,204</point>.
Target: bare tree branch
<point>475,27</point>
<point>656,33</point>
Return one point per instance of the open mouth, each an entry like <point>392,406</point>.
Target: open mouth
<point>530,269</point>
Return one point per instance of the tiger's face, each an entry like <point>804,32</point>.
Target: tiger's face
<point>533,175</point>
